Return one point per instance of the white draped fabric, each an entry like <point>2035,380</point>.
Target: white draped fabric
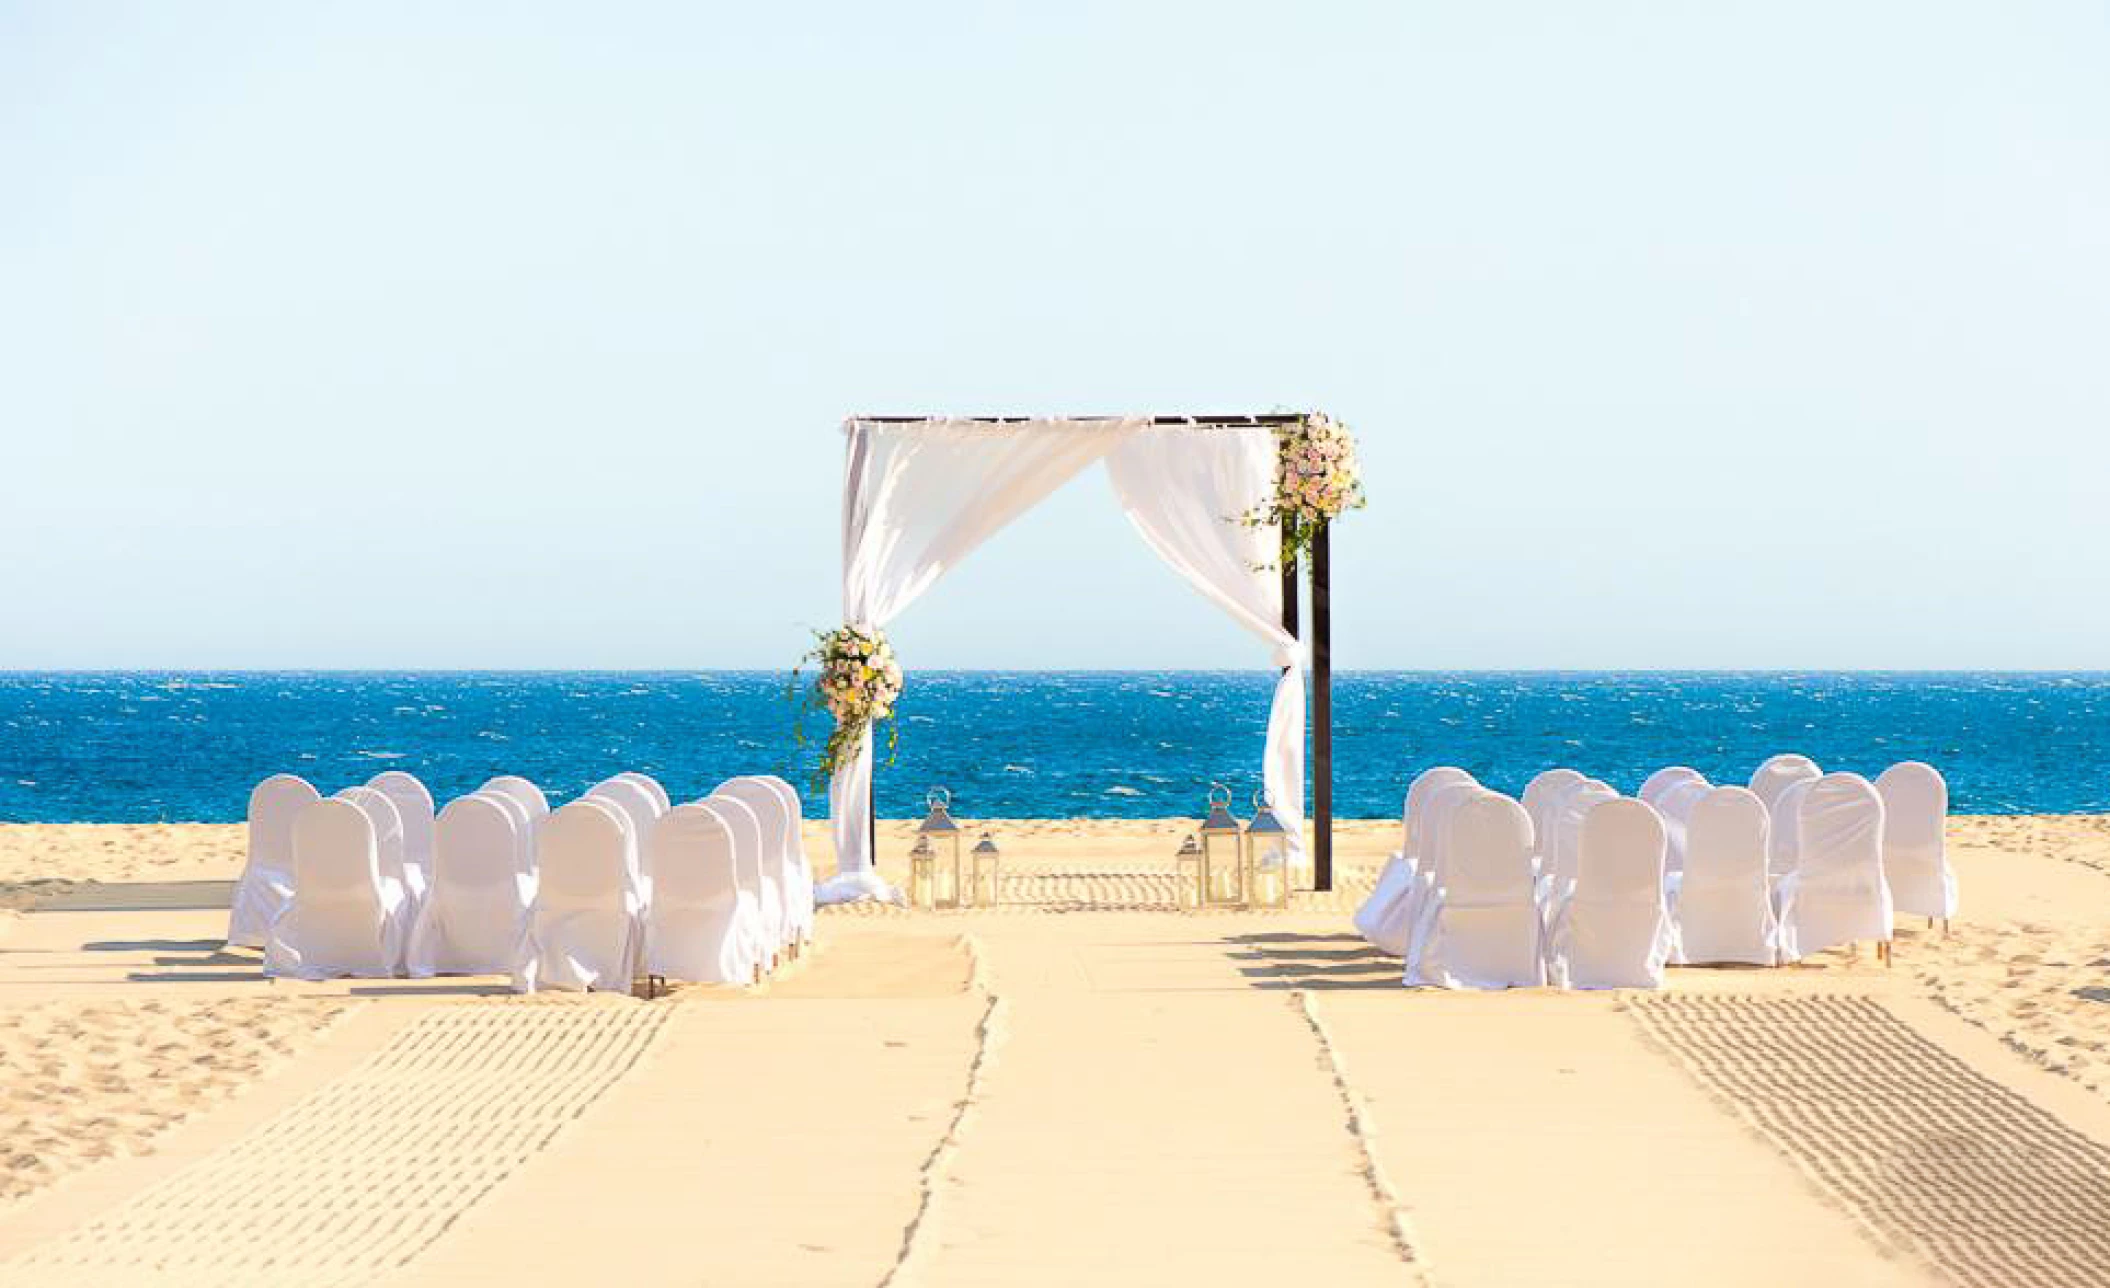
<point>919,496</point>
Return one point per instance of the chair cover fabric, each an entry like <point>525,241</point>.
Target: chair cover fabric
<point>641,808</point>
<point>265,887</point>
<point>701,927</point>
<point>1539,796</point>
<point>1387,918</point>
<point>1664,779</point>
<point>348,915</point>
<point>773,819</point>
<point>1781,772</point>
<point>1675,804</point>
<point>414,809</point>
<point>1613,931</point>
<point>1784,840</point>
<point>528,795</point>
<point>1915,821</point>
<point>1483,929</point>
<point>1836,893</point>
<point>1426,872</point>
<point>661,801</point>
<point>476,914</point>
<point>798,874</point>
<point>748,852</point>
<point>1561,858</point>
<point>1381,909</point>
<point>1723,907</point>
<point>586,926</point>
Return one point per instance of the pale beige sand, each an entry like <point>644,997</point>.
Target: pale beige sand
<point>82,1080</point>
<point>1048,1091</point>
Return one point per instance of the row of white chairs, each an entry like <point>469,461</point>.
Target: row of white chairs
<point>616,884</point>
<point>1581,887</point>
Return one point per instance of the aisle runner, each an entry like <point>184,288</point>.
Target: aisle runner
<point>1983,1184</point>
<point>361,1175</point>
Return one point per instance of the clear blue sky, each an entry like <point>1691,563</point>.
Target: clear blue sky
<point>1741,335</point>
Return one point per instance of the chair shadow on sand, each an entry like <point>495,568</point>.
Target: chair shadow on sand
<point>1284,960</point>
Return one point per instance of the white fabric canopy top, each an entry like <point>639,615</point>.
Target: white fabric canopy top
<point>918,496</point>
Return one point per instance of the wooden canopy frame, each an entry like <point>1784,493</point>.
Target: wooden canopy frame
<point>1321,619</point>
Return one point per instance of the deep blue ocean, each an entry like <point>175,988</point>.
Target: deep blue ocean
<point>146,747</point>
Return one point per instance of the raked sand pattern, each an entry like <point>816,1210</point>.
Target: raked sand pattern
<point>1983,1185</point>
<point>356,1179</point>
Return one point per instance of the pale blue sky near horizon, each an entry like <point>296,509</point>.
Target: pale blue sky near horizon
<point>468,335</point>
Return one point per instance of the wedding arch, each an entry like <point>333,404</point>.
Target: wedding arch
<point>1233,504</point>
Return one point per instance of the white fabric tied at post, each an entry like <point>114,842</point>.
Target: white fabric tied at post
<point>917,498</point>
<point>1188,491</point>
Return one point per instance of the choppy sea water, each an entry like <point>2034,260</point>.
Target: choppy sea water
<point>148,747</point>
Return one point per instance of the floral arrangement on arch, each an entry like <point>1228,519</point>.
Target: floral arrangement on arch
<point>857,684</point>
<point>1317,479</point>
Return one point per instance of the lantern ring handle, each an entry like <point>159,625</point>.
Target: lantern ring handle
<point>1214,788</point>
<point>938,798</point>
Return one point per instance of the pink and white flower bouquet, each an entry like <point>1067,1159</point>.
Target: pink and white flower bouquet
<point>1317,479</point>
<point>858,683</point>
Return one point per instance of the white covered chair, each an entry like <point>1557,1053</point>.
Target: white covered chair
<point>1540,794</point>
<point>414,807</point>
<point>348,914</point>
<point>1392,926</point>
<point>1613,931</point>
<point>586,926</point>
<point>775,819</point>
<point>1836,894</point>
<point>1381,918</point>
<point>660,799</point>
<point>1481,928</point>
<point>1779,773</point>
<point>1784,839</point>
<point>1664,779</point>
<point>1723,905</point>
<point>639,805</point>
<point>265,887</point>
<point>798,889</point>
<point>702,927</point>
<point>1560,857</point>
<point>529,796</point>
<point>475,919</point>
<point>1915,857</point>
<point>748,849</point>
<point>1675,805</point>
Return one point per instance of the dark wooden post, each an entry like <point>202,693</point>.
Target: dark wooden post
<point>1322,710</point>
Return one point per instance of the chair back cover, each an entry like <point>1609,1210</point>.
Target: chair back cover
<point>1781,772</point>
<point>1664,779</point>
<point>1384,917</point>
<point>1483,930</point>
<point>520,789</point>
<point>774,818</point>
<point>660,799</point>
<point>1540,794</point>
<point>1425,785</point>
<point>1915,857</point>
<point>748,843</point>
<point>266,884</point>
<point>388,830</point>
<point>1675,804</point>
<point>414,806</point>
<point>1724,908</point>
<point>1614,931</point>
<point>702,926</point>
<point>347,915</point>
<point>1562,854</point>
<point>1836,894</point>
<point>476,916</point>
<point>798,894</point>
<point>641,807</point>
<point>584,928</point>
<point>1784,840</point>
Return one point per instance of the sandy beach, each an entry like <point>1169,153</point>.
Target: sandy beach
<point>931,1093</point>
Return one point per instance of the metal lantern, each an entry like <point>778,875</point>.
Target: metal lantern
<point>1222,880</point>
<point>942,835</point>
<point>1189,875</point>
<point>987,865</point>
<point>1266,875</point>
<point>922,874</point>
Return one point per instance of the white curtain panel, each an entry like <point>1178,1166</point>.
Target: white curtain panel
<point>917,499</point>
<point>1185,489</point>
